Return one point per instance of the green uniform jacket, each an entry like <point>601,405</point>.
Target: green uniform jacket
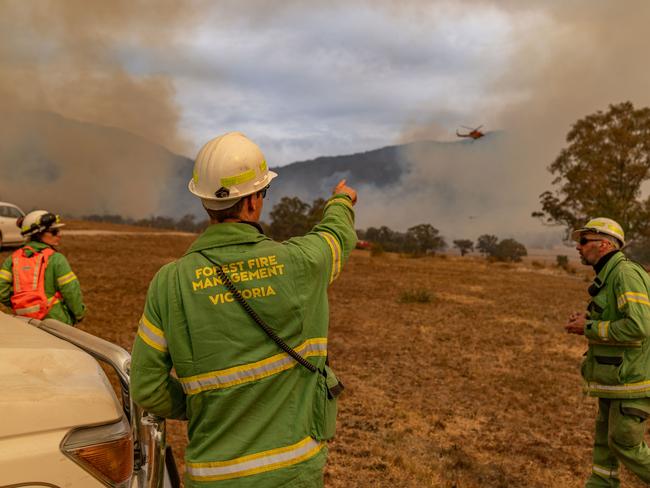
<point>617,364</point>
<point>256,417</point>
<point>58,277</point>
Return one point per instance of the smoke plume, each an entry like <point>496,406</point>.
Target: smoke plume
<point>67,67</point>
<point>571,59</point>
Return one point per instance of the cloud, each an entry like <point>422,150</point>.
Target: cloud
<point>340,78</point>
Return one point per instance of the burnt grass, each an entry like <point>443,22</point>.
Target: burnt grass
<point>477,387</point>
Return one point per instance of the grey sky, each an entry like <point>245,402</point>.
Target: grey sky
<point>308,79</point>
<point>306,82</point>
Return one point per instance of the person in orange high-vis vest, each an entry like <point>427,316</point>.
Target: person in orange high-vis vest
<point>36,281</point>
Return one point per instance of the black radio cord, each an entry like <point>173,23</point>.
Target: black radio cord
<point>258,320</point>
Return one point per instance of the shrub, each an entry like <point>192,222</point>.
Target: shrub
<point>464,246</point>
<point>423,239</point>
<point>487,244</point>
<point>376,249</point>
<point>415,296</point>
<point>562,261</point>
<point>510,250</point>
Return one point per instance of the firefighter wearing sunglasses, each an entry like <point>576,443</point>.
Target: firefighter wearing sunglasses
<point>616,368</point>
<point>36,281</point>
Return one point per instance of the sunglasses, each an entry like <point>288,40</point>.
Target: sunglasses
<point>583,241</point>
<point>54,232</point>
<point>263,191</point>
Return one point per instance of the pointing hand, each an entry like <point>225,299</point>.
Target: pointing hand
<point>341,187</point>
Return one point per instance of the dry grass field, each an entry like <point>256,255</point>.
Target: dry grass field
<point>478,387</point>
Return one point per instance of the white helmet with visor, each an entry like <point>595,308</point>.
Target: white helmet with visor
<point>39,221</point>
<point>601,225</point>
<point>227,169</point>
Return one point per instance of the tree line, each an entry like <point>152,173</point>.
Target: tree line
<point>418,240</point>
<point>600,173</point>
<point>187,223</point>
<point>292,217</point>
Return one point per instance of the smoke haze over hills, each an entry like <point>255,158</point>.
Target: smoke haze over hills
<point>463,188</point>
<point>75,168</point>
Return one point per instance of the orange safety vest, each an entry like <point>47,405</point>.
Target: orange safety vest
<point>29,298</point>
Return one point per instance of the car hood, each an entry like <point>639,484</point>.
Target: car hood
<point>47,383</point>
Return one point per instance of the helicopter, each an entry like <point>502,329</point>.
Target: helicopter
<point>473,133</point>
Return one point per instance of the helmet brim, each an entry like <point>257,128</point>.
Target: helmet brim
<point>576,234</point>
<point>39,231</point>
<point>219,204</point>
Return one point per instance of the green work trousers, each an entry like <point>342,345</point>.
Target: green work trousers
<point>620,427</point>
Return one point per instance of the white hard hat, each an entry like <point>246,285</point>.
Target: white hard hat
<point>228,168</point>
<point>601,225</point>
<point>39,221</point>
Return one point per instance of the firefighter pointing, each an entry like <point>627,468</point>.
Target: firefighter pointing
<point>36,280</point>
<point>243,321</point>
<point>617,364</point>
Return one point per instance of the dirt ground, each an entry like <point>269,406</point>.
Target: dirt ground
<point>477,388</point>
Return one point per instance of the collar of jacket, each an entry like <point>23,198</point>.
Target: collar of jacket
<point>37,245</point>
<point>613,260</point>
<point>227,234</point>
<point>603,261</point>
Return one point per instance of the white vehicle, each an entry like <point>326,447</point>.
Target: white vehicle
<point>9,231</point>
<point>61,424</point>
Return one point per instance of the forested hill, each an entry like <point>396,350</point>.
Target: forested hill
<point>316,177</point>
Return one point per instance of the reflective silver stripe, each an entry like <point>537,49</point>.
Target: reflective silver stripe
<point>39,261</point>
<point>66,278</point>
<point>152,335</point>
<point>335,248</point>
<point>254,463</point>
<point>17,286</point>
<point>603,329</point>
<point>25,311</point>
<point>636,387</point>
<point>634,297</point>
<point>603,471</point>
<point>252,371</point>
<point>342,200</point>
